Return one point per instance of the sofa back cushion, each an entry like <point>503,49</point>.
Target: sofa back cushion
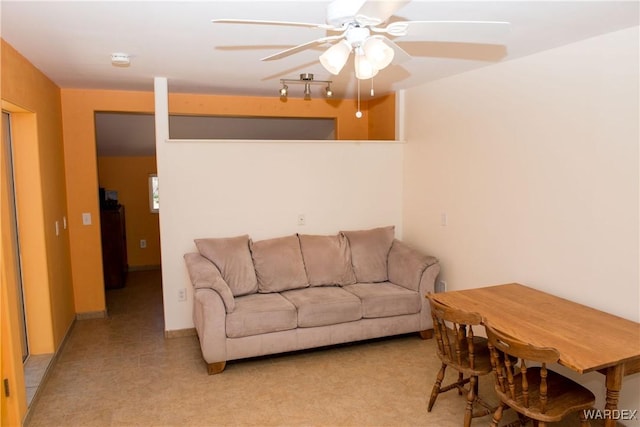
<point>278,264</point>
<point>232,257</point>
<point>369,252</point>
<point>327,260</point>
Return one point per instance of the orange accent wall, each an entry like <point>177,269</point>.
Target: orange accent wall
<point>382,118</point>
<point>13,407</point>
<point>78,109</point>
<point>129,177</point>
<point>41,198</point>
<point>34,102</point>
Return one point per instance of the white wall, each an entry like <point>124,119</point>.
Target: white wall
<point>228,188</point>
<point>535,162</point>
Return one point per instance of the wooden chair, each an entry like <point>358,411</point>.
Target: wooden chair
<point>460,349</point>
<point>535,392</point>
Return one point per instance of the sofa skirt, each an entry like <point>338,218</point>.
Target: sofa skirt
<point>304,338</point>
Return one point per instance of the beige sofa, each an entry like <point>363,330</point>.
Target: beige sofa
<point>295,292</point>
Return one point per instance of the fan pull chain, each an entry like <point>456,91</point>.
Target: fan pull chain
<point>372,92</point>
<point>358,113</point>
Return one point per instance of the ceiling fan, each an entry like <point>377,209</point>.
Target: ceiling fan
<point>358,24</point>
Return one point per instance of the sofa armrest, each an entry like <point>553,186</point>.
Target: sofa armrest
<point>406,265</point>
<point>427,285</point>
<point>204,274</point>
<point>209,318</point>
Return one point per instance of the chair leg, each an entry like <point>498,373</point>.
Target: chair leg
<point>436,387</point>
<point>497,416</point>
<point>471,397</point>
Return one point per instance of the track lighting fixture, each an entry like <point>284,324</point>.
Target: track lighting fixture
<point>307,80</point>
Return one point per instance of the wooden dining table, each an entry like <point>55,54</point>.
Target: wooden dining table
<point>586,338</point>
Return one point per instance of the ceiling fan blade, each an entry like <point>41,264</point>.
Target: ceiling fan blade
<point>400,55</point>
<point>378,11</point>
<point>300,47</point>
<point>485,32</point>
<point>284,23</point>
<point>365,12</point>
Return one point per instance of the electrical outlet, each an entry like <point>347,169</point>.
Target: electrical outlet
<point>302,219</point>
<point>143,243</point>
<point>441,286</point>
<point>86,218</point>
<point>182,294</point>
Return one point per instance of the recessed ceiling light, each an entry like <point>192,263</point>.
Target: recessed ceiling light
<point>120,60</point>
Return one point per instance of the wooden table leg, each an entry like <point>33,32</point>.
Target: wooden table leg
<point>614,384</point>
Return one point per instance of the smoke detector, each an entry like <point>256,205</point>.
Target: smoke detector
<point>120,60</point>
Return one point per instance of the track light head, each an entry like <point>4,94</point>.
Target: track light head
<point>328,92</point>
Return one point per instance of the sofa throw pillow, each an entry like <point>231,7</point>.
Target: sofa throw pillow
<point>232,257</point>
<point>278,263</point>
<point>327,260</point>
<point>369,252</point>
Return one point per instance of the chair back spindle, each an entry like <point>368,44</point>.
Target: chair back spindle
<point>523,382</point>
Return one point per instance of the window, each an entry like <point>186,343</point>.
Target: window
<point>154,200</point>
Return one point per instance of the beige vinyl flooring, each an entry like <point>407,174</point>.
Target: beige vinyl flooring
<point>121,371</point>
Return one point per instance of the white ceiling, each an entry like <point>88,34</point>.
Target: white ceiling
<point>72,41</point>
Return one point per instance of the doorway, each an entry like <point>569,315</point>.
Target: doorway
<point>7,155</point>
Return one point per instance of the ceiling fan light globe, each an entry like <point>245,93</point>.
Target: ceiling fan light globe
<point>334,58</point>
<point>378,53</point>
<point>364,68</point>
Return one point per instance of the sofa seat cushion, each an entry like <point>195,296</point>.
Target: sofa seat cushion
<point>260,314</point>
<point>385,299</point>
<point>319,306</point>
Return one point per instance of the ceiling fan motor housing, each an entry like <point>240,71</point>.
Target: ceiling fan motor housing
<point>340,12</point>
<point>357,35</point>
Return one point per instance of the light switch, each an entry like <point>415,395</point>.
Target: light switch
<point>86,218</point>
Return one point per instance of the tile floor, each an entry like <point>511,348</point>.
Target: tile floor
<point>35,369</point>
<point>121,371</point>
